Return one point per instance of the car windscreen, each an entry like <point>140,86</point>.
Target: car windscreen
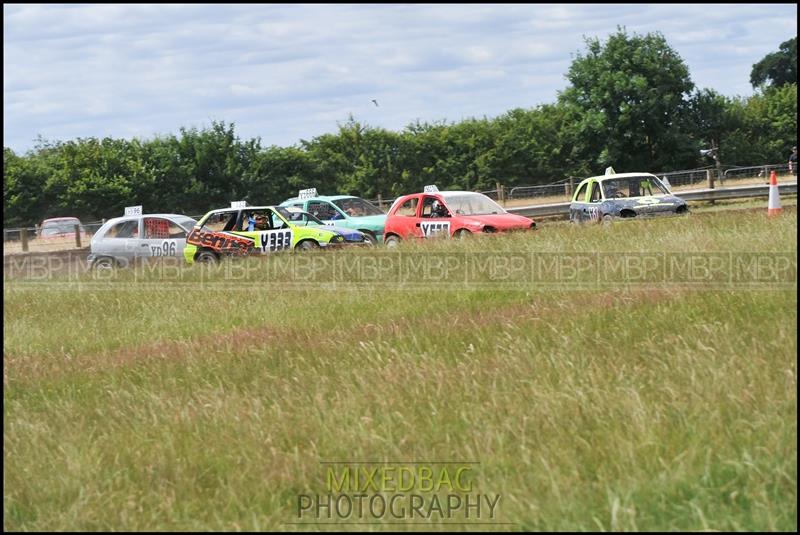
<point>357,207</point>
<point>472,204</point>
<point>634,186</point>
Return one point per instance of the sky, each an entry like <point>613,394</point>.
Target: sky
<point>290,72</point>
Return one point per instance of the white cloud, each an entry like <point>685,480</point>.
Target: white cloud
<point>286,72</point>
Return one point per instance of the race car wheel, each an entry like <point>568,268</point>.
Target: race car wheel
<point>462,234</point>
<point>370,237</point>
<point>608,219</point>
<point>206,257</point>
<point>307,245</point>
<point>104,263</point>
<point>392,241</point>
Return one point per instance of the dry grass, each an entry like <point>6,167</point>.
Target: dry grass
<point>38,245</point>
<point>141,405</point>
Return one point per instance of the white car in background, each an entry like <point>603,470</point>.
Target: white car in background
<point>123,240</point>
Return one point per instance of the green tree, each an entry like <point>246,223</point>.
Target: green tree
<point>627,104</point>
<point>277,173</point>
<point>88,177</point>
<point>778,68</point>
<point>24,197</point>
<point>531,147</point>
<point>715,119</point>
<point>212,161</point>
<point>770,124</point>
<point>358,159</point>
<point>162,187</point>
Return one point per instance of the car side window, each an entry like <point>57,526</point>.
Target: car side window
<point>277,222</point>
<point>580,196</point>
<point>124,229</point>
<point>220,222</point>
<point>157,228</point>
<point>176,231</point>
<point>323,210</point>
<point>256,220</point>
<point>408,208</point>
<point>595,193</point>
<point>427,207</point>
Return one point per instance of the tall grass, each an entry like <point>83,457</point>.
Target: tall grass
<point>137,405</point>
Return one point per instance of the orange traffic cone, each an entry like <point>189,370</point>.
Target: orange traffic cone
<point>774,205</point>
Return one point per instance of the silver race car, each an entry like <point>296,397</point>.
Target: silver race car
<point>622,196</point>
<point>123,240</point>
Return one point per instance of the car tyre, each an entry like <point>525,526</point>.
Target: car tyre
<point>607,220</point>
<point>462,234</point>
<point>104,263</point>
<point>307,245</point>
<point>370,237</point>
<point>392,241</point>
<point>206,257</point>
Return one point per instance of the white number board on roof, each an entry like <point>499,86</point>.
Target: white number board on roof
<point>307,193</point>
<point>238,204</point>
<point>431,189</point>
<point>133,210</point>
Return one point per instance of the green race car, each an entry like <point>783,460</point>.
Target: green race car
<point>342,210</point>
<point>246,230</point>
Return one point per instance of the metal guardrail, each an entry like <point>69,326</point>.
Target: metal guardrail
<point>686,177</point>
<point>738,192</point>
<point>546,190</point>
<point>694,176</point>
<point>541,210</point>
<point>491,193</point>
<point>757,171</point>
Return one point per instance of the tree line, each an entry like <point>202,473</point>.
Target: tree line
<point>630,103</point>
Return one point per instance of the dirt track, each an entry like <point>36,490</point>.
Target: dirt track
<point>35,264</point>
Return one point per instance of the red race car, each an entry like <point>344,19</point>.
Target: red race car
<point>61,227</point>
<point>449,214</point>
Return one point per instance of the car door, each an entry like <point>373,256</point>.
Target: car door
<point>161,237</point>
<point>406,219</point>
<point>579,205</point>
<point>433,224</point>
<point>592,211</point>
<point>120,241</point>
<point>271,233</point>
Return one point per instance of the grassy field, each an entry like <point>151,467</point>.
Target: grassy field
<point>212,399</point>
